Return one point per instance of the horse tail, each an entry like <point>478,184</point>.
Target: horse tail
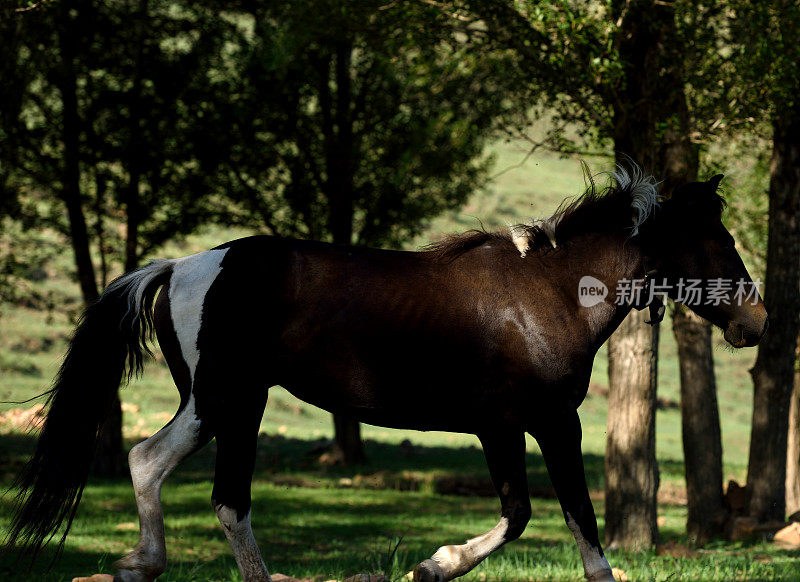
<point>109,343</point>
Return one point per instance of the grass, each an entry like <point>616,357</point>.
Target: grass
<point>313,520</point>
<point>329,527</point>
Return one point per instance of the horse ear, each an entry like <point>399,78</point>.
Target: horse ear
<point>714,182</point>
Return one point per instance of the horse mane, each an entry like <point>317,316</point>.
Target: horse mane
<point>624,204</point>
<point>454,245</point>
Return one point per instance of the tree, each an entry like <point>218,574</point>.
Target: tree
<point>91,119</point>
<point>765,37</point>
<point>702,439</point>
<point>617,70</point>
<point>354,124</point>
<point>793,448</point>
<point>651,77</point>
<point>773,373</point>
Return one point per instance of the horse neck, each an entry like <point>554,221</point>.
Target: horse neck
<point>609,258</point>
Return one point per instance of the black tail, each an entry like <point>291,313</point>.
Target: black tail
<point>111,337</point>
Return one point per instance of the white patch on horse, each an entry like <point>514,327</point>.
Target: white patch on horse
<point>245,550</point>
<point>192,277</point>
<point>151,462</point>
<point>521,237</point>
<point>594,563</point>
<point>154,459</point>
<point>458,560</point>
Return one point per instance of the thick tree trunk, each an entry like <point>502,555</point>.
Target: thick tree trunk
<point>651,124</point>
<point>132,226</point>
<point>135,147</point>
<point>773,372</point>
<point>702,440</point>
<point>793,449</point>
<point>99,229</point>
<point>631,471</point>
<point>340,164</point>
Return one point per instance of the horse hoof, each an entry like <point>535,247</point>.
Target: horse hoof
<point>429,571</point>
<point>608,576</point>
<point>130,576</point>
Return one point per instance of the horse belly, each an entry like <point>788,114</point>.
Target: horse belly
<point>405,393</point>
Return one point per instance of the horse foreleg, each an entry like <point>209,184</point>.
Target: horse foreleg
<point>505,455</point>
<point>560,441</point>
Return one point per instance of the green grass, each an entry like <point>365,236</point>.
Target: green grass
<point>325,528</point>
<point>313,520</point>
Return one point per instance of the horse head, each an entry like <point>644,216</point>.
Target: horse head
<point>688,246</point>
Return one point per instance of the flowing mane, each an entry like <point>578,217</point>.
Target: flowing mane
<point>625,204</point>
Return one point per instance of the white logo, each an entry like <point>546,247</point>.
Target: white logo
<point>591,291</point>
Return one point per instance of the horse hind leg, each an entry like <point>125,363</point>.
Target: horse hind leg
<point>151,461</point>
<point>237,438</point>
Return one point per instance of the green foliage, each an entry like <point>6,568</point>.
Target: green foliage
<point>745,191</point>
<point>376,114</point>
<point>137,89</point>
<point>293,118</point>
<point>764,40</point>
<point>26,260</point>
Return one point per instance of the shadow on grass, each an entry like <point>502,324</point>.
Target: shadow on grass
<point>309,520</point>
<point>301,508</point>
<point>295,462</point>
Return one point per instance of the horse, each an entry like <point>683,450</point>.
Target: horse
<point>484,333</point>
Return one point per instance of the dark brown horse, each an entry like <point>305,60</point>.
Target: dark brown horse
<point>492,334</point>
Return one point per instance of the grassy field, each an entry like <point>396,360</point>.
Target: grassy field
<point>316,520</point>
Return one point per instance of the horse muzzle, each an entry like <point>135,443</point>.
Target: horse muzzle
<point>746,334</point>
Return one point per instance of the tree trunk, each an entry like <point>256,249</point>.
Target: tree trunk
<point>651,124</point>
<point>135,147</point>
<point>793,449</point>
<point>631,471</point>
<point>99,229</point>
<point>109,457</point>
<point>337,127</point>
<point>132,225</point>
<point>773,372</point>
<point>702,440</point>
<point>71,179</point>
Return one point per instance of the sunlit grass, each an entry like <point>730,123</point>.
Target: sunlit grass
<point>334,532</point>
